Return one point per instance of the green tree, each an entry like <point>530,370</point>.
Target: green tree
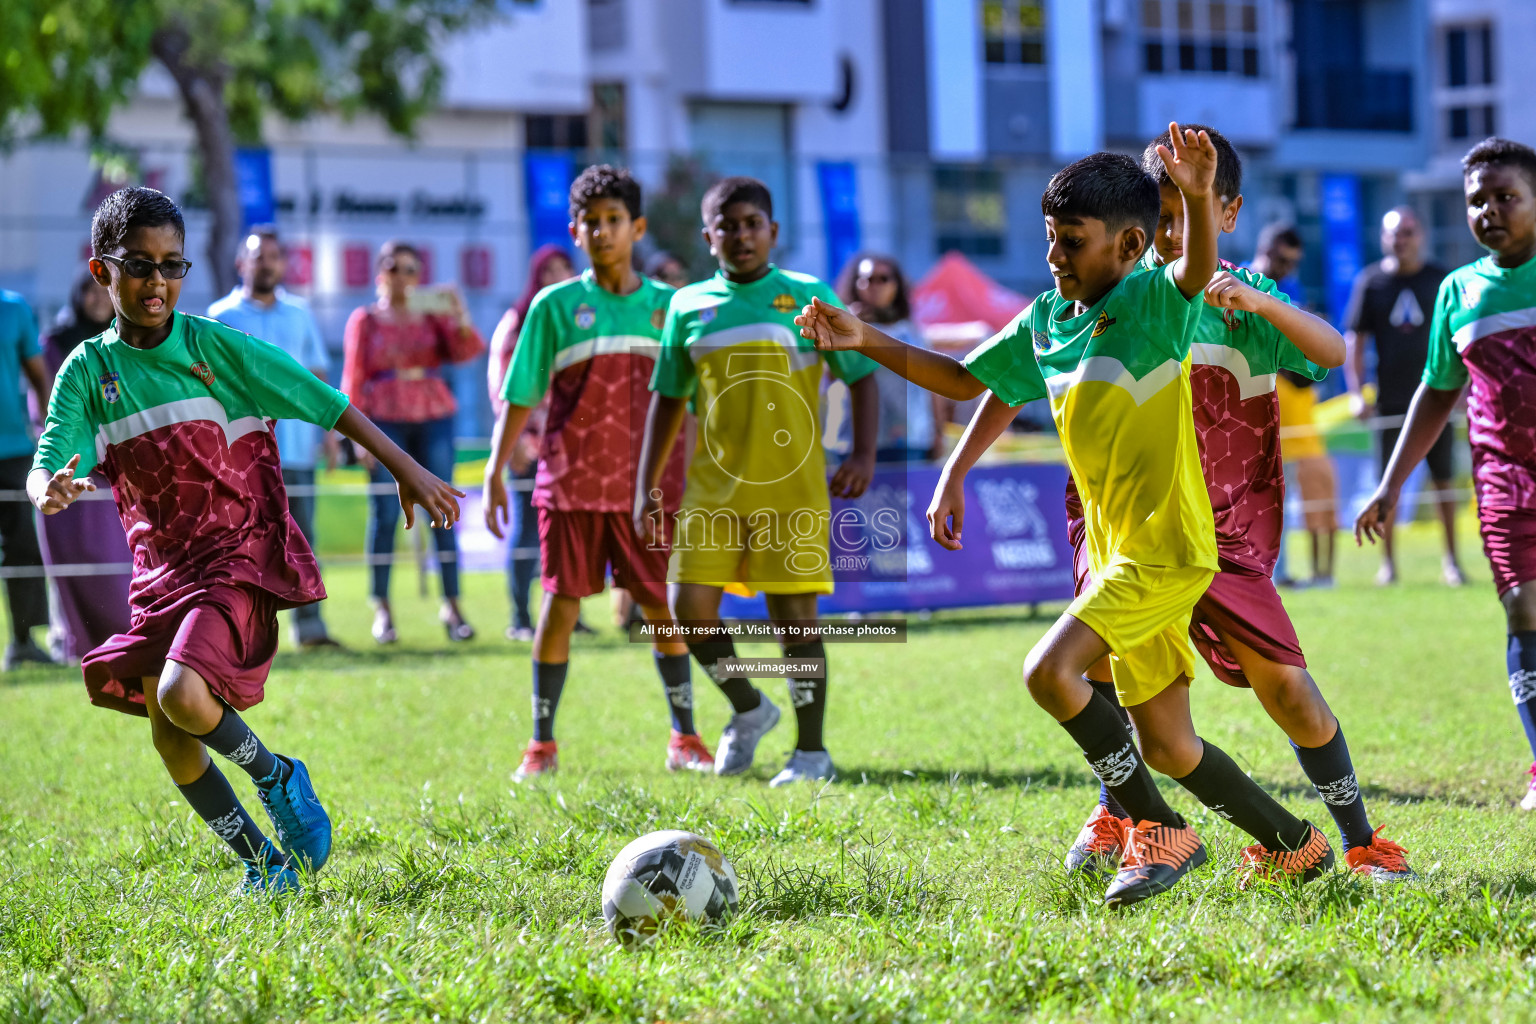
<point>67,64</point>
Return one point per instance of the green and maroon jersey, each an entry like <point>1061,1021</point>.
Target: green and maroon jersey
<point>181,431</point>
<point>1485,332</point>
<point>592,352</point>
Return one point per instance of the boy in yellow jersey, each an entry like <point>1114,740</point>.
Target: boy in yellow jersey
<point>1110,348</point>
<point>756,512</point>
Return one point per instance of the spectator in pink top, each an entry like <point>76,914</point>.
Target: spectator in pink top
<point>393,373</point>
<point>550,264</point>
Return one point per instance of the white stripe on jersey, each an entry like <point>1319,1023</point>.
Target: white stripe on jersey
<point>186,410</point>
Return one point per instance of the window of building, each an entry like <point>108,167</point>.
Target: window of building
<point>969,214</point>
<point>1214,36</point>
<point>1013,31</point>
<point>555,131</point>
<point>605,25</point>
<point>1467,80</point>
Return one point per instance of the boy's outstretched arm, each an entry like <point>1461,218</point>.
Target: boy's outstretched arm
<point>1191,162</point>
<point>1427,417</point>
<point>946,512</point>
<point>416,485</point>
<point>858,469</point>
<point>834,329</point>
<point>1313,336</point>
<point>663,420</point>
<point>493,492</point>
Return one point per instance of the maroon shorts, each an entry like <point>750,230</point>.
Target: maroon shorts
<point>1246,606</point>
<point>1241,603</point>
<point>576,549</point>
<point>1509,541</point>
<point>227,634</point>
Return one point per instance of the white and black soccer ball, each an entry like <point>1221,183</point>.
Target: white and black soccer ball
<point>666,876</point>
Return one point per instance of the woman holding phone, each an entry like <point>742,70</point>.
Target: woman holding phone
<point>396,349</point>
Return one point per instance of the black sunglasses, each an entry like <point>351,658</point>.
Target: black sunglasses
<point>171,270</point>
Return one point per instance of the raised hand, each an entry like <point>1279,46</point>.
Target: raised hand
<point>1191,160</point>
<point>1228,291</point>
<point>831,328</point>
<point>63,489</point>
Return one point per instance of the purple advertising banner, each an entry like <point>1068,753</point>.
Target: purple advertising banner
<point>1015,544</point>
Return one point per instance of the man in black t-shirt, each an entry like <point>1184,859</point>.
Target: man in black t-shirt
<point>1393,302</point>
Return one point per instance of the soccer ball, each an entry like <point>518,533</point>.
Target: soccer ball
<point>664,876</point>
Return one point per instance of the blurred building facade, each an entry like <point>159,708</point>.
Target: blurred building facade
<point>913,126</point>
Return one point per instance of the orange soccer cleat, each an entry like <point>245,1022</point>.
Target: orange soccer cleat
<point>1099,845</point>
<point>688,752</point>
<point>541,758</point>
<point>1382,861</point>
<point>1303,864</point>
<point>1156,857</point>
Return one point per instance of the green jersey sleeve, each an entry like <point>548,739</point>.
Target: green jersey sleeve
<point>1444,369</point>
<point>674,376</point>
<point>1006,362</point>
<point>68,429</point>
<point>1287,356</point>
<point>533,358</point>
<point>846,365</point>
<point>284,389</point>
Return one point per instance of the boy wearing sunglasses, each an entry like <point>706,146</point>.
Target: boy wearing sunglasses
<point>174,409</point>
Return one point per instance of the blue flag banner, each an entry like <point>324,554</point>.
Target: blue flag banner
<point>1341,239</point>
<point>548,178</point>
<point>839,212</point>
<point>253,180</point>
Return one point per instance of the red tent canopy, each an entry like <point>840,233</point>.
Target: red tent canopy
<point>959,306</point>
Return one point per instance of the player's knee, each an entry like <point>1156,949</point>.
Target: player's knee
<point>178,692</point>
<point>1046,678</point>
<point>1173,756</point>
<point>1299,705</point>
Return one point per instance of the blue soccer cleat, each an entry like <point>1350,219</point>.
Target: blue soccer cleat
<point>301,823</point>
<point>269,875</point>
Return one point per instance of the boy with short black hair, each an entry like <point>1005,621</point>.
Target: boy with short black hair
<point>1110,348</point>
<point>755,516</point>
<point>1485,335</point>
<point>174,410</point>
<point>590,344</point>
<point>1246,332</point>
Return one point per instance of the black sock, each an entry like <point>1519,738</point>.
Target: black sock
<point>673,669</point>
<point>1113,757</point>
<point>234,739</point>
<point>1107,691</point>
<point>1521,658</point>
<point>212,797</point>
<point>1333,773</point>
<point>1219,784</point>
<point>548,684</point>
<point>737,689</point>
<point>809,696</point>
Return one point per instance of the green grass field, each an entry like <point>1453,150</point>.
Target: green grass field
<point>924,886</point>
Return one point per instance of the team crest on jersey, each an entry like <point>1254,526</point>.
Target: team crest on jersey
<point>203,372</point>
<point>1231,317</point>
<point>706,315</point>
<point>586,316</point>
<point>785,303</point>
<point>109,388</point>
<point>1104,323</point>
<point>1042,341</point>
<point>1472,293</point>
<point>658,317</point>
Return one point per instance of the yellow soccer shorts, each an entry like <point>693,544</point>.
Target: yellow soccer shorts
<point>766,552</point>
<point>1143,612</point>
